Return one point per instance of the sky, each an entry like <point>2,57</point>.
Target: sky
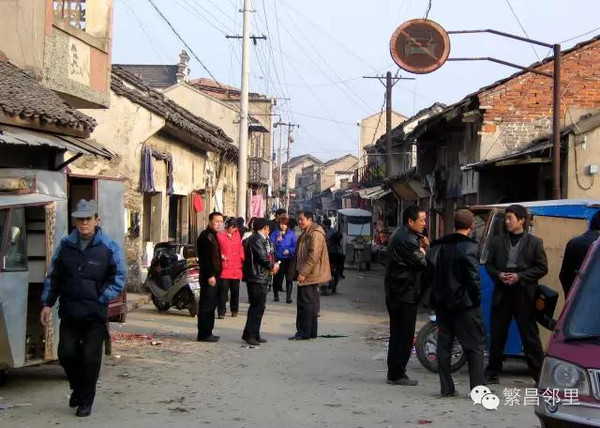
<point>317,52</point>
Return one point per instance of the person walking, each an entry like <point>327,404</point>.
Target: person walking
<point>209,260</point>
<point>284,243</point>
<point>87,271</point>
<point>258,267</point>
<point>404,268</point>
<point>232,259</point>
<point>575,252</point>
<point>334,247</point>
<point>453,273</point>
<point>310,266</point>
<point>516,261</point>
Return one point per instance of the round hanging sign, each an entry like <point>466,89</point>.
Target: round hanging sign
<point>420,46</point>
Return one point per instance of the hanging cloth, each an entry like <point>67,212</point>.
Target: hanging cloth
<point>147,173</point>
<point>198,202</point>
<point>169,162</point>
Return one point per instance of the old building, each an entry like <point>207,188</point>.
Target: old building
<point>175,166</point>
<point>219,104</point>
<point>318,182</point>
<point>456,145</point>
<point>371,128</point>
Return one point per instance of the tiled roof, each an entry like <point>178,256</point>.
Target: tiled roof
<point>222,91</point>
<point>154,75</point>
<point>21,96</point>
<point>173,113</point>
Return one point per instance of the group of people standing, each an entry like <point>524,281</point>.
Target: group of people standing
<point>268,253</point>
<point>446,272</point>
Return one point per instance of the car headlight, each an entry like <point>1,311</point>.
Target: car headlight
<point>559,374</point>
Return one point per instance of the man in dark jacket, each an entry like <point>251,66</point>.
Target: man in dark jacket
<point>87,271</point>
<point>209,259</point>
<point>453,274</point>
<point>403,270</point>
<point>257,274</point>
<point>515,261</point>
<point>575,252</point>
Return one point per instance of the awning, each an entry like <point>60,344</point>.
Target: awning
<point>373,193</point>
<point>29,137</point>
<point>531,154</point>
<point>28,199</point>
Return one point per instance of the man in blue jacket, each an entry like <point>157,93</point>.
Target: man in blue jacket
<point>87,271</point>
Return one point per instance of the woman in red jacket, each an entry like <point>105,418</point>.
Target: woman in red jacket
<point>232,257</point>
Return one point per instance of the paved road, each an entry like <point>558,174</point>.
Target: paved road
<point>327,382</point>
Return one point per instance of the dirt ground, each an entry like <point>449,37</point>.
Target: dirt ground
<point>159,376</point>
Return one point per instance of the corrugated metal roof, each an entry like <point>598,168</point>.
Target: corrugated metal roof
<point>22,136</point>
<point>29,199</point>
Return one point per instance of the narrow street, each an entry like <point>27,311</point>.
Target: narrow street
<point>159,376</point>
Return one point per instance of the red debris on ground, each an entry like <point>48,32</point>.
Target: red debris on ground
<point>122,336</point>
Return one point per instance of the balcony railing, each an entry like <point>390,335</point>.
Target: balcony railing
<point>370,175</point>
<point>72,11</point>
<point>258,171</point>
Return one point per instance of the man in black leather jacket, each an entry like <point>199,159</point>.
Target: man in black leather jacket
<point>209,259</point>
<point>403,270</point>
<point>258,266</point>
<point>453,274</point>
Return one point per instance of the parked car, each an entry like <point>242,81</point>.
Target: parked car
<point>571,370</point>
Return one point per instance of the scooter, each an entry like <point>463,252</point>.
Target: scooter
<point>173,278</point>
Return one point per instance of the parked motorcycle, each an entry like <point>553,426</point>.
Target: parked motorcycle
<point>173,277</point>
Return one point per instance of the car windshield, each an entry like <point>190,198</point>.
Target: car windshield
<point>583,319</point>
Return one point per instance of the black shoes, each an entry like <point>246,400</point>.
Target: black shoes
<point>289,301</point>
<point>492,380</point>
<point>404,381</point>
<point>84,410</point>
<point>211,339</point>
<point>449,394</point>
<point>234,314</point>
<point>296,337</point>
<point>73,401</point>
<point>276,299</point>
<point>261,340</point>
<point>251,342</point>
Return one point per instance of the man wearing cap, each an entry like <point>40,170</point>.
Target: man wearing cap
<point>453,275</point>
<point>516,261</point>
<point>87,271</point>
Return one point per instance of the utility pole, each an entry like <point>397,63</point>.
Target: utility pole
<point>290,126</point>
<point>390,82</point>
<point>242,182</point>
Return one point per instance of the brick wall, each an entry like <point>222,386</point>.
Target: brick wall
<point>520,110</point>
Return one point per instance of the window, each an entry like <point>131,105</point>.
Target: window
<point>72,11</point>
<point>582,319</point>
<point>12,230</point>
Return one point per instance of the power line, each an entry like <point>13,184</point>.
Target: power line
<point>351,95</point>
<point>428,10</point>
<point>523,29</point>
<point>184,42</point>
<point>580,35</point>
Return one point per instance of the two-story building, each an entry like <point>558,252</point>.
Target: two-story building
<point>219,103</point>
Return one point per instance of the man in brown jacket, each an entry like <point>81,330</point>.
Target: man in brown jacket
<point>311,267</point>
